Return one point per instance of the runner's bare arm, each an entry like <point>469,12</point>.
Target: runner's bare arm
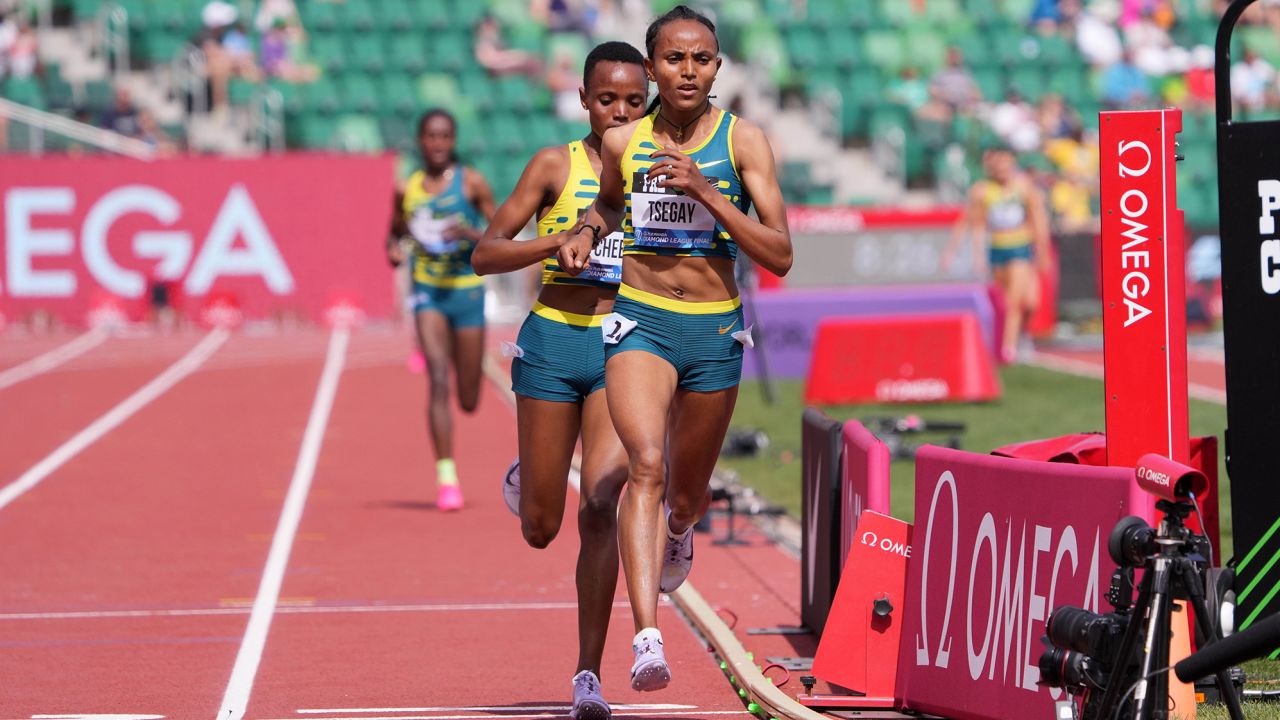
<point>977,213</point>
<point>480,195</point>
<point>606,212</point>
<point>1038,216</point>
<point>498,251</point>
<point>767,241</point>
<point>395,251</point>
<point>958,233</point>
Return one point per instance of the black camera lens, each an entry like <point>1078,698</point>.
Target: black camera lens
<point>1131,542</point>
<point>1097,635</point>
<point>1066,669</point>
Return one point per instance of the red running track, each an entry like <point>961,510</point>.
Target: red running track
<point>128,573</point>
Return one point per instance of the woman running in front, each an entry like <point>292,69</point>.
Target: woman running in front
<point>558,371</point>
<point>440,211</point>
<point>679,183</point>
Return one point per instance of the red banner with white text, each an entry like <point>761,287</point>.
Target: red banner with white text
<point>277,235</point>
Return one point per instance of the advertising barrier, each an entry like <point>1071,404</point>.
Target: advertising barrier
<point>292,233</point>
<point>820,470</point>
<point>789,320</point>
<point>997,544</point>
<point>864,480</point>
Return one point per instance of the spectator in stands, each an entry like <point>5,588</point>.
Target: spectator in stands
<point>1251,81</point>
<point>1124,86</point>
<point>228,53</point>
<point>1046,15</point>
<point>122,116</point>
<point>577,16</point>
<point>1072,191</point>
<point>564,79</point>
<point>1015,122</point>
<point>8,34</point>
<point>23,57</point>
<point>271,11</point>
<point>1199,79</point>
<point>150,132</point>
<point>1056,119</point>
<point>1096,36</point>
<point>493,55</point>
<point>954,84</point>
<point>282,52</point>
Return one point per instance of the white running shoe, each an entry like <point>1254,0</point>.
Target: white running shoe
<point>588,704</point>
<point>677,558</point>
<point>511,488</point>
<point>650,670</point>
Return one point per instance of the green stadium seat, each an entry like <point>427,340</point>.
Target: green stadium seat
<point>781,13</point>
<point>481,89</point>
<point>466,14</point>
<point>358,15</point>
<point>59,93</point>
<point>804,47</point>
<point>368,53</point>
<point>431,16</point>
<point>529,35</point>
<point>827,13</point>
<point>321,97</point>
<point>98,96</point>
<point>887,118</point>
<point>321,17</point>
<point>397,15</point>
<point>397,133</point>
<point>1029,80</point>
<point>329,52</point>
<point>162,46</point>
<point>290,96</point>
<point>358,133</point>
<point>990,81</point>
<point>1057,51</point>
<point>977,51</point>
<point>26,91</point>
<point>397,95</point>
<point>885,51</point>
<point>449,52</point>
<point>844,48</point>
<point>897,13</point>
<point>506,134</point>
<point>316,131</point>
<point>572,44</point>
<point>927,49</point>
<point>358,94</point>
<point>240,91</point>
<point>407,52</point>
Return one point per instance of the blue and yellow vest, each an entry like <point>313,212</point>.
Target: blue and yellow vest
<point>437,261</point>
<point>580,190</point>
<point>1006,214</point>
<point>662,221</point>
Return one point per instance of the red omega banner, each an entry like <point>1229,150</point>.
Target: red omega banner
<point>292,233</point>
<point>997,544</point>
<point>865,477</point>
<point>1144,288</point>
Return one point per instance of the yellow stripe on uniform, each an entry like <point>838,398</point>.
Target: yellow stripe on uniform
<point>567,318</point>
<point>683,307</point>
<point>452,282</point>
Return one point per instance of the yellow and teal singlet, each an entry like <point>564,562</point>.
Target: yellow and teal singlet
<point>580,190</point>
<point>663,221</point>
<point>436,261</point>
<point>1006,215</point>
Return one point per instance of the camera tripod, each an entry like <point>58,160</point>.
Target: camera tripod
<point>1169,574</point>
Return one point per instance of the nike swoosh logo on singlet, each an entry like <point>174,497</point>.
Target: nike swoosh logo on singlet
<point>724,330</point>
<point>704,166</point>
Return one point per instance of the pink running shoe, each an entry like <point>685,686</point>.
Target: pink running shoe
<point>416,364</point>
<point>449,498</point>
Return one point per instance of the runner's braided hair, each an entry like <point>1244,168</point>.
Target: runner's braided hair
<point>679,12</point>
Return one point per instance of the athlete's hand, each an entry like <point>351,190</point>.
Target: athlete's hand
<point>575,252</point>
<point>681,173</point>
<point>396,254</point>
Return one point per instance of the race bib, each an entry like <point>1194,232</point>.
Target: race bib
<point>663,217</point>
<point>429,231</point>
<point>605,264</point>
<point>615,327</point>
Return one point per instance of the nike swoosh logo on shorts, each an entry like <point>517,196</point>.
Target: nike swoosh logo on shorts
<point>724,330</point>
<point>704,166</point>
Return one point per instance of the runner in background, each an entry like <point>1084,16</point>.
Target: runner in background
<point>558,366</point>
<point>679,182</point>
<point>439,213</point>
<point>1008,208</point>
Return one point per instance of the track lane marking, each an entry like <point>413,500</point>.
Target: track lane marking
<point>50,360</point>
<point>114,417</point>
<point>306,610</point>
<point>239,687</point>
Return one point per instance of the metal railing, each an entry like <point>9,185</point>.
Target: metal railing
<point>42,122</point>
<point>113,34</point>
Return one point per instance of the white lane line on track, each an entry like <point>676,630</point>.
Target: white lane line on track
<point>41,364</point>
<point>158,386</point>
<point>302,610</point>
<point>1086,368</point>
<point>486,709</point>
<point>236,698</point>
<point>533,715</point>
